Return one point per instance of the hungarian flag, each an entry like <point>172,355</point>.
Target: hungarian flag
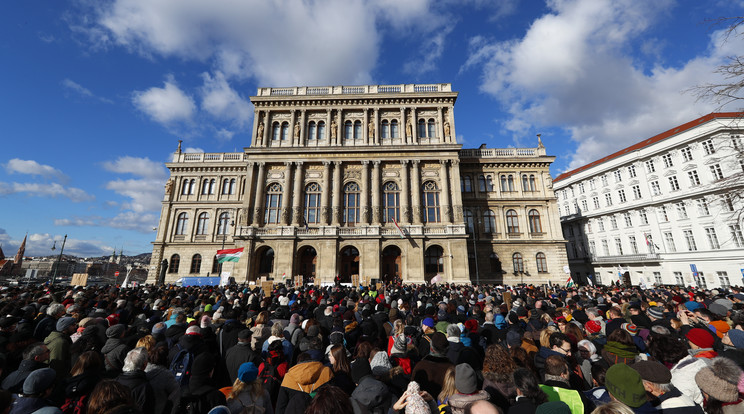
<point>569,282</point>
<point>402,235</point>
<point>229,255</point>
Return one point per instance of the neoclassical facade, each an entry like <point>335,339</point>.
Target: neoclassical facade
<point>665,211</point>
<point>363,180</point>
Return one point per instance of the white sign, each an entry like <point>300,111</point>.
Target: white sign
<point>567,269</point>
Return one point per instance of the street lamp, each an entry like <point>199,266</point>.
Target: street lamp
<point>224,235</point>
<point>59,261</point>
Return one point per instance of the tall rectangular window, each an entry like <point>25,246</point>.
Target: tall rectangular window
<point>621,195</point>
<point>584,205</point>
<point>694,179</point>
<point>655,188</point>
<point>736,235</point>
<point>663,216</point>
<point>619,246</point>
<point>650,168</point>
<point>613,222</point>
<point>600,223</point>
<point>605,248</point>
<point>701,281</point>
<point>690,239</point>
<point>637,192</point>
<point>703,207</point>
<point>681,210</point>
<point>667,158</point>
<point>715,171</point>
<point>657,278</point>
<point>679,279</point>
<point>595,200</point>
<point>608,199</point>
<point>708,147</point>
<point>633,244</point>
<point>673,184</point>
<point>604,180</point>
<point>592,184</point>
<point>686,154</point>
<point>728,202</point>
<point>723,279</point>
<point>669,240</point>
<point>710,232</point>
<point>631,171</point>
<point>643,216</point>
<point>618,176</point>
<point>581,188</point>
<point>628,220</point>
<point>592,248</point>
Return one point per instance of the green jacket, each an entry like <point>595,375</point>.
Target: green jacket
<point>59,352</point>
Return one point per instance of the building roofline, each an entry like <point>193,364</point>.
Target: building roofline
<point>650,141</point>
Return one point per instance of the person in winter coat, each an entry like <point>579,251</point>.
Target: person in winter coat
<point>657,381</point>
<point>466,384</point>
<point>59,344</point>
<point>227,337</point>
<point>277,334</point>
<point>261,331</point>
<point>164,385</point>
<point>719,383</point>
<point>85,375</point>
<point>47,325</point>
<point>673,353</point>
<point>498,369</point>
<point>191,341</point>
<point>302,380</point>
<point>35,356</point>
<point>529,394</point>
<point>293,333</point>
<point>248,392</point>
<point>341,369</point>
<point>455,345</point>
<point>240,354</point>
<point>36,389</point>
<point>620,348</point>
<point>370,392</point>
<point>429,372</point>
<point>201,384</point>
<point>115,349</point>
<point>134,377</point>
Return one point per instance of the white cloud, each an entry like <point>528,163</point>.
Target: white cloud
<point>31,167</point>
<point>82,91</point>
<point>127,220</point>
<point>193,150</point>
<point>142,167</point>
<point>574,69</point>
<point>40,244</point>
<point>165,105</point>
<point>223,102</point>
<point>145,194</point>
<point>53,190</point>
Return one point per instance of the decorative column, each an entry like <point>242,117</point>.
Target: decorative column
<point>376,120</point>
<point>286,194</point>
<point>293,127</point>
<point>267,129</point>
<point>329,118</point>
<point>337,196</point>
<point>364,198</point>
<point>303,129</point>
<point>404,193</point>
<point>440,125</point>
<point>250,183</point>
<point>414,136</point>
<point>376,188</point>
<point>259,199</point>
<point>255,138</point>
<point>297,196</point>
<point>403,131</point>
<point>326,194</point>
<point>416,192</point>
<point>444,196</point>
<point>457,194</point>
<point>365,128</point>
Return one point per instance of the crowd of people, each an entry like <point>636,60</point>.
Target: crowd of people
<point>398,348</point>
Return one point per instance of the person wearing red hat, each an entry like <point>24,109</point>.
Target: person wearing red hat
<point>701,343</point>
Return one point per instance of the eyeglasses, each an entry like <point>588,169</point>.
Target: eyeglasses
<point>566,351</point>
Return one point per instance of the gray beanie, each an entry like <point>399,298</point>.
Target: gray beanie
<point>115,331</point>
<point>64,323</point>
<point>39,381</point>
<point>465,379</point>
<point>400,345</point>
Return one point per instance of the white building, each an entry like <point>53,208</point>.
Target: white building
<point>661,211</point>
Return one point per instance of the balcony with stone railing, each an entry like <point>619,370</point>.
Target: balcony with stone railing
<point>627,258</point>
<point>208,157</point>
<point>359,231</point>
<point>355,90</point>
<point>502,152</point>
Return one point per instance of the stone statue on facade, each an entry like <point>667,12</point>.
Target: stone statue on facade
<point>371,129</point>
<point>446,128</point>
<point>334,128</point>
<point>409,128</point>
<point>169,187</point>
<point>297,130</point>
<point>260,132</point>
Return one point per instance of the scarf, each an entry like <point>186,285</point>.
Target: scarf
<point>621,350</point>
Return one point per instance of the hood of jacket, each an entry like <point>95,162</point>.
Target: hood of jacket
<point>371,392</point>
<point>111,344</point>
<point>307,376</point>
<point>459,401</point>
<point>81,384</point>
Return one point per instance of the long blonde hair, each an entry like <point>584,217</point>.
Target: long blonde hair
<point>448,385</point>
<point>147,342</point>
<point>255,388</point>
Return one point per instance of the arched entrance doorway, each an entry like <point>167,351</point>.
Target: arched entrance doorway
<point>390,270</point>
<point>264,263</point>
<point>307,259</point>
<point>348,264</point>
<point>433,262</point>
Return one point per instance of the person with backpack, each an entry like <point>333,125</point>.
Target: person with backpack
<point>272,371</point>
<point>248,395</point>
<point>85,375</point>
<point>163,381</point>
<point>134,377</point>
<point>201,394</point>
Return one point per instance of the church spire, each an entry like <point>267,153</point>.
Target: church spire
<point>21,251</point>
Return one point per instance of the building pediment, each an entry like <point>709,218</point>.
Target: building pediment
<point>652,177</point>
<point>689,167</point>
<point>670,173</point>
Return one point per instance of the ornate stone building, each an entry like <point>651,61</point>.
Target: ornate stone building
<point>361,180</point>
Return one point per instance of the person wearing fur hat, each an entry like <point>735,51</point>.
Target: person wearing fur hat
<point>719,385</point>
<point>657,380</point>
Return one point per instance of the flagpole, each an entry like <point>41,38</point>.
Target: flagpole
<point>224,236</point>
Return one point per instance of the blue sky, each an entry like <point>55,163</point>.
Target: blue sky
<point>94,95</point>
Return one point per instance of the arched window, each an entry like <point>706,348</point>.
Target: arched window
<point>215,265</point>
<point>202,223</point>
<point>226,186</point>
<point>482,183</point>
<point>181,223</point>
<point>212,184</point>
<point>385,129</point>
<point>525,183</point>
<point>174,262</point>
<point>321,130</point>
<point>518,262</point>
<point>222,223</point>
<point>422,128</point>
<point>351,204</point>
<point>357,129</point>
<point>533,185</point>
<point>275,131</point>
<point>510,182</point>
<point>394,129</point>
<point>391,202</point>
<point>195,263</point>
<point>185,187</point>
<point>466,184</point>
<point>434,260</point>
<point>192,184</point>
<point>231,190</point>
<point>312,203</point>
<point>512,222</point>
<point>273,203</point>
<point>535,225</point>
<point>311,132</point>
<point>432,128</point>
<point>431,202</point>
<point>469,221</point>
<point>542,263</point>
<point>348,130</point>
<point>285,130</point>
<point>489,222</point>
<point>205,187</point>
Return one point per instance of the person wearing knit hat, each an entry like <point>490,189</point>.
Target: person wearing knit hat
<point>593,327</point>
<point>466,387</point>
<point>626,386</point>
<point>719,384</point>
<point>734,338</point>
<point>380,364</point>
<point>667,398</point>
<point>400,345</point>
<point>719,327</point>
<point>630,328</point>
<point>369,391</point>
<point>701,343</point>
<point>430,371</point>
<point>655,313</point>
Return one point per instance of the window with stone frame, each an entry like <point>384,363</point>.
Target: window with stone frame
<point>512,222</point>
<point>352,196</point>
<point>312,203</point>
<point>534,221</point>
<point>273,204</point>
<point>391,202</point>
<point>195,264</point>
<point>518,262</point>
<point>202,223</point>
<point>431,202</point>
<point>489,222</point>
<point>175,261</point>
<point>541,262</point>
<point>181,223</point>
